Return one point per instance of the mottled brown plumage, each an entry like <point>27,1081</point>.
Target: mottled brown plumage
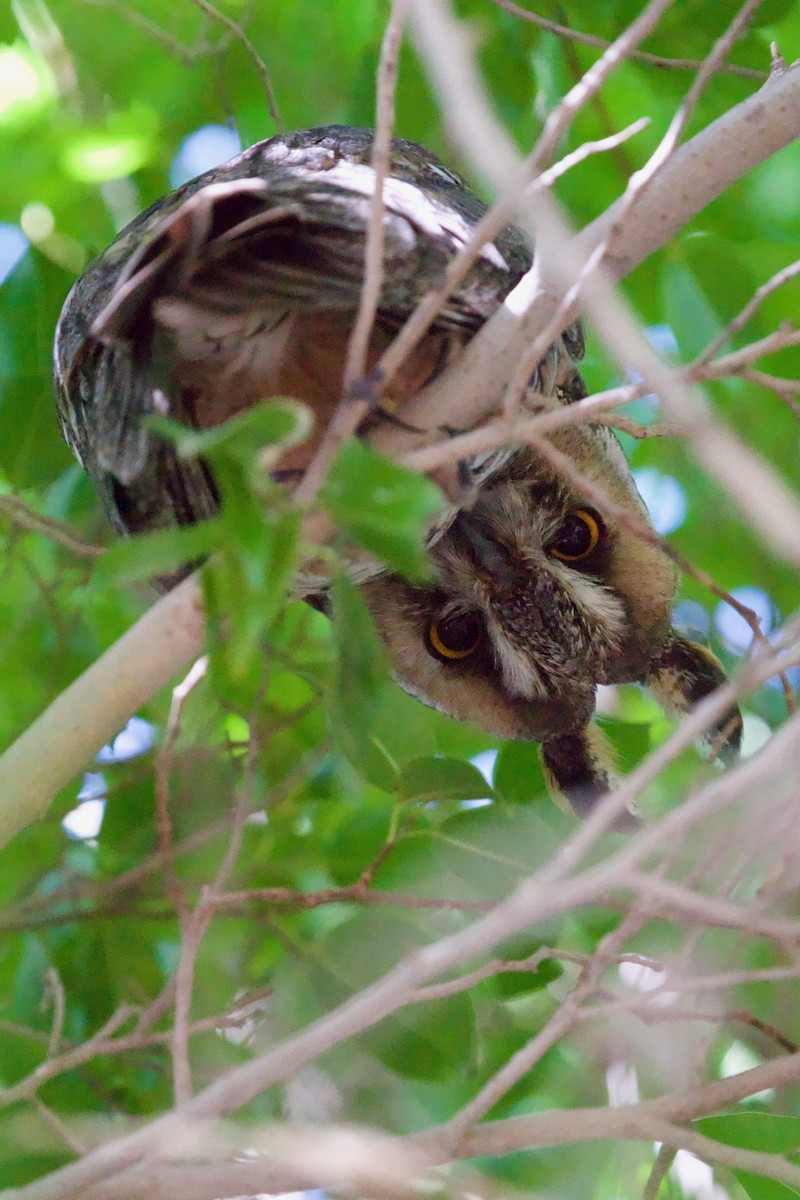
<point>244,284</point>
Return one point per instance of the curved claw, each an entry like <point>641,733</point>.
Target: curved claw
<point>579,767</point>
<point>681,675</point>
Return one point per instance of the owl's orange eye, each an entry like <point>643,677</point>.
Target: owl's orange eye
<point>455,636</point>
<point>577,536</point>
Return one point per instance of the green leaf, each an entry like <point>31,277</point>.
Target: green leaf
<point>245,587</point>
<point>426,780</point>
<point>429,1041</point>
<point>517,983</point>
<point>359,840</point>
<point>256,536</point>
<point>382,506</point>
<point>360,676</point>
<point>518,776</point>
<point>771,11</point>
<point>630,739</point>
<point>759,1187</point>
<point>426,1041</point>
<point>687,310</point>
<point>152,554</point>
<point>280,421</point>
<point>768,1133</point>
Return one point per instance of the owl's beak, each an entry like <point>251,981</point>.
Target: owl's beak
<point>476,536</point>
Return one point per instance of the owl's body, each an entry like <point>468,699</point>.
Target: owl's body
<point>244,284</point>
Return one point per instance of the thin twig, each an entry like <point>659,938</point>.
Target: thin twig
<point>740,320</point>
<point>590,39</point>
<point>355,893</point>
<point>658,1172</point>
<point>28,518</point>
<point>773,1166</point>
<point>357,393</point>
<point>59,1127</point>
<point>549,176</point>
<point>637,185</point>
<point>235,28</point>
<point>541,896</point>
<point>707,68</point>
<point>187,55</point>
<point>184,975</point>
<point>54,994</point>
<point>386,86</point>
<point>784,389</point>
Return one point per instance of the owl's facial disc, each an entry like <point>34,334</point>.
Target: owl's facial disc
<point>526,580</point>
<point>538,598</point>
<point>517,630</point>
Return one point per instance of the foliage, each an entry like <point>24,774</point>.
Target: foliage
<point>360,783</point>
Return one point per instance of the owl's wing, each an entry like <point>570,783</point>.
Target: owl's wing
<point>244,284</point>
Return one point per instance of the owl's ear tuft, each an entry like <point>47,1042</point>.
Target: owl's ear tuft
<point>682,674</point>
<point>579,767</point>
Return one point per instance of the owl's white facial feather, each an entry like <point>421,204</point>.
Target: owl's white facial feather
<point>553,629</point>
<point>594,605</point>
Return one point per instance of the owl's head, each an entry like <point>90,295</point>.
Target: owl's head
<point>537,598</point>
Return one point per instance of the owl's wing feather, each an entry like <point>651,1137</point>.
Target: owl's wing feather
<point>244,284</point>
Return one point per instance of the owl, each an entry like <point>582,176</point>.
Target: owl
<point>244,283</point>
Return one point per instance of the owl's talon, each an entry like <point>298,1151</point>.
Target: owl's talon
<point>579,767</point>
<point>682,674</point>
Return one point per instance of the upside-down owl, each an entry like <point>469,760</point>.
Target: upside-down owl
<point>245,283</point>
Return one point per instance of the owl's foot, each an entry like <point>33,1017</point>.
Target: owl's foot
<point>681,675</point>
<point>579,767</point>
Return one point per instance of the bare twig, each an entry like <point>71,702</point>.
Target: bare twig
<point>476,382</point>
<point>550,890</point>
<point>549,176</point>
<point>665,1157</point>
<point>27,518</point>
<point>512,194</point>
<point>590,39</point>
<point>784,389</point>
<point>239,34</point>
<point>680,120</point>
<point>51,1067</point>
<point>740,320</point>
<point>356,392</point>
<point>54,995</point>
<point>163,772</point>
<point>58,1126</point>
<point>187,55</point>
<point>386,86</point>
<point>184,975</point>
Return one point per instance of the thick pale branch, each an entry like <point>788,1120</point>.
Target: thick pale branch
<point>97,705</point>
<point>434,1147</point>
